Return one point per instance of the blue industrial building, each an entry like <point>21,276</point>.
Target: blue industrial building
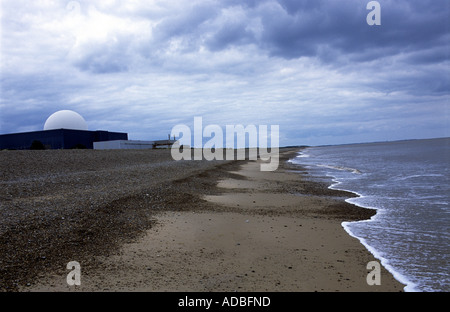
<point>58,139</point>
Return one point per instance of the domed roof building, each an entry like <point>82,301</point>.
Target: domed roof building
<point>63,129</point>
<point>65,119</point>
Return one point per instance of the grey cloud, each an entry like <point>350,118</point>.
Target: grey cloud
<point>186,23</point>
<point>331,31</point>
<point>436,54</point>
<point>301,29</point>
<point>292,29</point>
<point>232,33</point>
<point>103,60</point>
<point>234,61</point>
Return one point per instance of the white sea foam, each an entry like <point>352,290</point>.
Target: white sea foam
<point>341,168</point>
<point>409,286</point>
<point>414,176</point>
<point>407,184</point>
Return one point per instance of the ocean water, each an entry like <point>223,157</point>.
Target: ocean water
<point>408,183</point>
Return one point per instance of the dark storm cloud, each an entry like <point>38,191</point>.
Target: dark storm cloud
<point>334,32</point>
<point>28,99</point>
<point>306,65</point>
<point>293,29</point>
<point>328,30</point>
<point>105,57</point>
<point>187,22</point>
<point>437,54</point>
<point>230,33</point>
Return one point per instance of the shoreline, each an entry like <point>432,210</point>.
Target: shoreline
<point>334,185</point>
<point>218,227</point>
<point>409,286</point>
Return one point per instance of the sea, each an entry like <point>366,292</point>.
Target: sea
<point>407,182</point>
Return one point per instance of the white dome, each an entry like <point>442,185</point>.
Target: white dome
<point>65,119</point>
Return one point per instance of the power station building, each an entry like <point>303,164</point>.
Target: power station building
<point>67,130</point>
<point>58,139</point>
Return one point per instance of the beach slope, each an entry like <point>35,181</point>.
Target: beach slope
<point>180,226</point>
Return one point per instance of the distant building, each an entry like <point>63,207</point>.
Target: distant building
<point>58,139</point>
<point>67,129</point>
<point>133,144</point>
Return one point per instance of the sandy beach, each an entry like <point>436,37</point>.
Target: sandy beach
<point>139,221</point>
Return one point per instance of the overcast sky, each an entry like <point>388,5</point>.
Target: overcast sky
<point>315,68</point>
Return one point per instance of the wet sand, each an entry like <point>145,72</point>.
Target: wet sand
<point>178,226</point>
